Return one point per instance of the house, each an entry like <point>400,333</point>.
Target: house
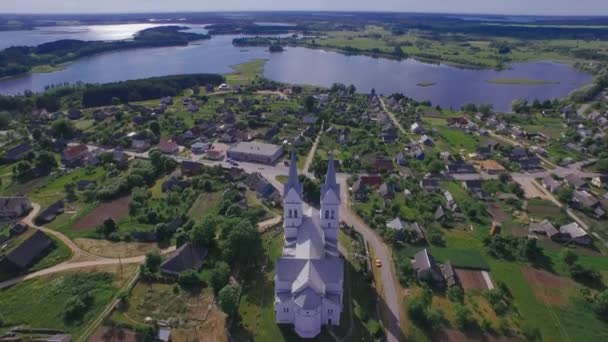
<point>459,167</point>
<point>18,229</point>
<point>359,191</point>
<point>584,200</point>
<point>309,281</point>
<point>18,152</point>
<point>12,208</point>
<point>426,268</point>
<point>551,184</point>
<point>491,166</point>
<point>545,228</point>
<point>200,147</point>
<point>75,155</point>
<point>271,133</point>
<point>24,255</point>
<point>415,230</point>
<point>458,122</point>
<point>387,191</point>
<point>439,213</point>
<point>473,186</point>
<point>187,257</point>
<point>140,145</point>
<point>120,158</point>
<point>396,224</point>
<point>309,119</point>
<point>483,152</point>
<point>214,154</point>
<point>416,152</point>
<point>371,180</point>
<point>429,184</point>
<point>400,158</point>
<point>599,181</point>
<point>390,135</point>
<point>168,146</point>
<point>383,165</point>
<point>167,101</point>
<point>416,128</point>
<point>575,181</point>
<point>573,232</point>
<point>518,153</point>
<point>256,152</point>
<point>449,274</point>
<point>50,213</point>
<point>190,168</point>
<point>426,140</point>
<point>449,201</point>
<point>530,163</point>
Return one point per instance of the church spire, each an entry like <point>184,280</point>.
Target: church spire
<point>292,180</point>
<point>330,178</point>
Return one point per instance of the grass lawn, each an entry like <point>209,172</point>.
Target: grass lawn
<point>41,302</point>
<point>541,209</point>
<point>204,204</point>
<point>245,73</point>
<point>163,301</point>
<point>53,189</point>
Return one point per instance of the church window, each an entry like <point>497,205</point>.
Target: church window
<point>290,213</point>
<point>295,213</point>
<point>332,214</point>
<point>326,214</point>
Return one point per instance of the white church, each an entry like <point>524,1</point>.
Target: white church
<point>309,277</point>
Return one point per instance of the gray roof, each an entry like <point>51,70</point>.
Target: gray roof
<point>330,178</point>
<point>308,299</point>
<point>326,271</point>
<point>396,224</point>
<point>573,229</point>
<point>255,147</point>
<point>187,257</point>
<point>544,227</point>
<point>292,180</point>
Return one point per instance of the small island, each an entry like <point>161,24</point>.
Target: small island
<point>522,81</point>
<point>275,48</point>
<point>426,83</point>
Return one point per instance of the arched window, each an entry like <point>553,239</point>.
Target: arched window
<point>326,214</point>
<point>295,213</point>
<point>332,214</point>
<point>290,214</point>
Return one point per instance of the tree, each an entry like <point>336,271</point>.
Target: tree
<point>203,233</point>
<point>455,294</point>
<point>564,194</point>
<point>70,192</point>
<point>240,242</point>
<point>217,277</point>
<point>22,171</point>
<point>152,263</point>
<point>229,298</point>
<point>568,256</point>
<point>351,90</point>
<point>189,280</point>
<point>602,165</point>
<point>462,316</point>
<point>154,127</point>
<point>63,128</point>
<point>45,161</point>
<point>601,304</point>
<point>163,232</point>
<point>309,103</point>
<point>5,120</point>
<point>107,227</point>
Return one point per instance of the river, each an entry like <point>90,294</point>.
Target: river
<point>452,86</point>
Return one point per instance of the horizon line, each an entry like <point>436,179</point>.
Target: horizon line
<point>308,11</point>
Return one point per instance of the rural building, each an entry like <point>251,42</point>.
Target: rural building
<point>168,146</point>
<point>459,167</point>
<point>575,181</point>
<point>190,168</point>
<point>215,154</point>
<point>599,181</point>
<point>18,152</point>
<point>359,191</point>
<point>200,147</point>
<point>12,208</point>
<point>491,166</point>
<point>416,128</point>
<point>187,257</point>
<point>49,214</point>
<point>429,184</point>
<point>257,152</point>
<point>449,274</point>
<point>309,277</point>
<point>551,184</point>
<point>22,257</point>
<point>545,228</point>
<point>573,232</point>
<point>18,229</point>
<point>74,156</point>
<point>426,268</point>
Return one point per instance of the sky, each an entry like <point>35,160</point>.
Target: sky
<point>527,7</point>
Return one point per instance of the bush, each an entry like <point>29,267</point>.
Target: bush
<point>77,306</point>
<point>455,294</point>
<point>463,317</point>
<point>600,305</point>
<point>229,298</point>
<point>189,280</point>
<point>422,314</point>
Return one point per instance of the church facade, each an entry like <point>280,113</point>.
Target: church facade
<point>309,277</point>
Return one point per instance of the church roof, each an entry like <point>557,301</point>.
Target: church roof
<point>328,271</point>
<point>308,299</point>
<point>309,277</point>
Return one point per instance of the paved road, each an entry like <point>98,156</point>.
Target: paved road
<point>391,299</point>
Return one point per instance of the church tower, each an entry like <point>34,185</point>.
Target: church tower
<point>292,200</point>
<point>330,203</point>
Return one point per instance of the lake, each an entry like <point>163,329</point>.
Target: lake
<point>452,86</point>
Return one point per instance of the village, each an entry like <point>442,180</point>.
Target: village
<point>467,220</point>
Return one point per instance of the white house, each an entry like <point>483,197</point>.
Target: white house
<point>309,277</point>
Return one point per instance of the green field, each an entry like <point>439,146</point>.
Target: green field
<point>41,302</point>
